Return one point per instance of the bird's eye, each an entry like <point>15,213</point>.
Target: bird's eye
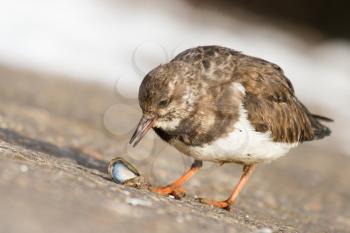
<point>163,103</point>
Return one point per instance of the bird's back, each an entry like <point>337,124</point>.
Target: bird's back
<point>269,98</point>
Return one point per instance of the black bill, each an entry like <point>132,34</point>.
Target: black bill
<point>142,128</point>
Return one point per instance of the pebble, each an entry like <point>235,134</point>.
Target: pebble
<point>264,230</point>
<point>138,202</point>
<point>127,193</point>
<point>23,168</point>
<point>179,219</point>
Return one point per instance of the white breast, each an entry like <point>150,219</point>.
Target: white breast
<point>244,145</point>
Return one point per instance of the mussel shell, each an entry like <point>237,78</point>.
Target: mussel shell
<point>121,170</point>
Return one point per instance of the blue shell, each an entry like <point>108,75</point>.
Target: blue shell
<point>121,170</point>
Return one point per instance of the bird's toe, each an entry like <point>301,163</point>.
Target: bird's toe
<point>219,204</point>
<point>177,192</point>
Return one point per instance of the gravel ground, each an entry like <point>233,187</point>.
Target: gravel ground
<point>54,149</point>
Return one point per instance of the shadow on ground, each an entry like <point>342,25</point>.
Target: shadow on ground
<point>75,154</point>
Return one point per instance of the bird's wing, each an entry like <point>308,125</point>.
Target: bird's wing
<point>269,100</point>
<point>271,104</point>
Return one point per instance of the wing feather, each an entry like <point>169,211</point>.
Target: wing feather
<point>271,103</point>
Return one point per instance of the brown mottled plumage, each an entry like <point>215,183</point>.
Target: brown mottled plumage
<point>209,98</point>
<point>270,99</point>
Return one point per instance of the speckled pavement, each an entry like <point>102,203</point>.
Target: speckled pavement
<point>54,149</point>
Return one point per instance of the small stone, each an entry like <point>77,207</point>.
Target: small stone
<point>179,219</point>
<point>23,168</point>
<point>138,202</point>
<point>127,193</point>
<point>264,230</point>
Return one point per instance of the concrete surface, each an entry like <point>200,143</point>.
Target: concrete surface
<point>54,147</point>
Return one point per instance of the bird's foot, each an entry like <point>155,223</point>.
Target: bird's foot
<point>177,192</point>
<point>220,204</point>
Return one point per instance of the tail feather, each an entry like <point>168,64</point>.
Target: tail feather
<point>321,130</point>
<point>322,118</point>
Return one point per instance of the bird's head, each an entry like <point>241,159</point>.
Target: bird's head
<point>166,96</point>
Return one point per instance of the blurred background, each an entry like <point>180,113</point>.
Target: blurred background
<point>116,42</point>
<point>69,77</point>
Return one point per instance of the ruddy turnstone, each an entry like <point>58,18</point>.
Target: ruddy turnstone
<point>216,104</point>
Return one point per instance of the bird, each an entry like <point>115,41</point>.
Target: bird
<point>216,104</point>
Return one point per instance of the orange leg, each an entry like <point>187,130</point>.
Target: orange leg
<point>175,188</point>
<point>247,171</point>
